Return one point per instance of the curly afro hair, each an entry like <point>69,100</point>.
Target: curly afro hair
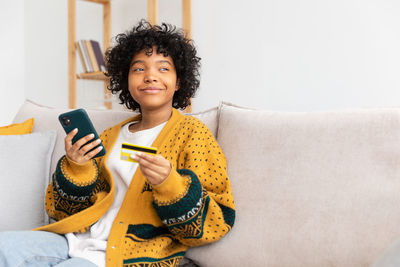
<point>169,41</point>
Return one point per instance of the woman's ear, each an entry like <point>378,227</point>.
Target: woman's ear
<point>177,86</point>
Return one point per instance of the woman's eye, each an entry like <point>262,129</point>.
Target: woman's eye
<point>164,69</point>
<point>137,69</point>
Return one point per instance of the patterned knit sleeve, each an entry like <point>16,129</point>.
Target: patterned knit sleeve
<point>195,202</point>
<point>73,188</point>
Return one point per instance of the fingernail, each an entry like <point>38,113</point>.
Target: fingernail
<point>91,135</point>
<point>98,141</point>
<point>139,153</point>
<point>75,130</point>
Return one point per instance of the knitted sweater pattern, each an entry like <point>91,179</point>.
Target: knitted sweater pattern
<point>156,223</point>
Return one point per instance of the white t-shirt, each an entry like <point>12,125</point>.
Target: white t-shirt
<point>92,244</point>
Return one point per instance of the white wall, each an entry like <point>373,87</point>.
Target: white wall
<point>299,55</point>
<point>272,54</point>
<point>12,60</point>
<point>46,58</point>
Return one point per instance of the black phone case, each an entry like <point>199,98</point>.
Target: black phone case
<point>78,118</point>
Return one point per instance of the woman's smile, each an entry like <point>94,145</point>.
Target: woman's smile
<point>151,90</point>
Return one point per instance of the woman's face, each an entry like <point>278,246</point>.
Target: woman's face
<point>152,81</point>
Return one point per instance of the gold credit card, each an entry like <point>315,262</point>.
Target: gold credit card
<point>128,149</point>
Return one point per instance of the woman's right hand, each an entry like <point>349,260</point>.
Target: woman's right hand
<point>77,152</point>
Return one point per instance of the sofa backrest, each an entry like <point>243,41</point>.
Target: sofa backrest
<point>310,189</point>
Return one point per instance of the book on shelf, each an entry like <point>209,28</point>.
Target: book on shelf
<point>80,52</point>
<point>86,55</point>
<point>98,54</point>
<point>91,56</point>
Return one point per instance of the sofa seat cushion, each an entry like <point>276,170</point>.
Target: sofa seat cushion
<point>311,189</point>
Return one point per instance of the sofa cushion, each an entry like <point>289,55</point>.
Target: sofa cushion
<point>25,170</point>
<point>311,189</point>
<point>18,128</point>
<point>210,118</point>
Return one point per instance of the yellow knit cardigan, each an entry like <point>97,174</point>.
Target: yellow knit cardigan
<point>156,223</point>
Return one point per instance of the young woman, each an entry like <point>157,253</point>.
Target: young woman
<point>112,212</point>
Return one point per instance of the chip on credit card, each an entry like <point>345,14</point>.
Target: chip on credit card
<point>128,149</point>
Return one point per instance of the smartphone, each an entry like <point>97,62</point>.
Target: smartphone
<point>78,118</point>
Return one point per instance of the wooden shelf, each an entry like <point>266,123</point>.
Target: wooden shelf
<point>99,1</point>
<point>98,75</point>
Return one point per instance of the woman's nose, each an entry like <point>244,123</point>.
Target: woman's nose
<point>150,77</point>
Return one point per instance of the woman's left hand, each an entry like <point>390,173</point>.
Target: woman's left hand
<point>155,168</point>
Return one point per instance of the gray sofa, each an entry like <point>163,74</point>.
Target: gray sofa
<point>311,189</point>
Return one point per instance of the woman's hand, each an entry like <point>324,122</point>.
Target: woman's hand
<point>155,168</point>
<point>77,152</point>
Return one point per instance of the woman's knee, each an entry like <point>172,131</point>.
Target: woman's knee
<point>9,239</point>
<point>9,247</point>
<point>20,246</point>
